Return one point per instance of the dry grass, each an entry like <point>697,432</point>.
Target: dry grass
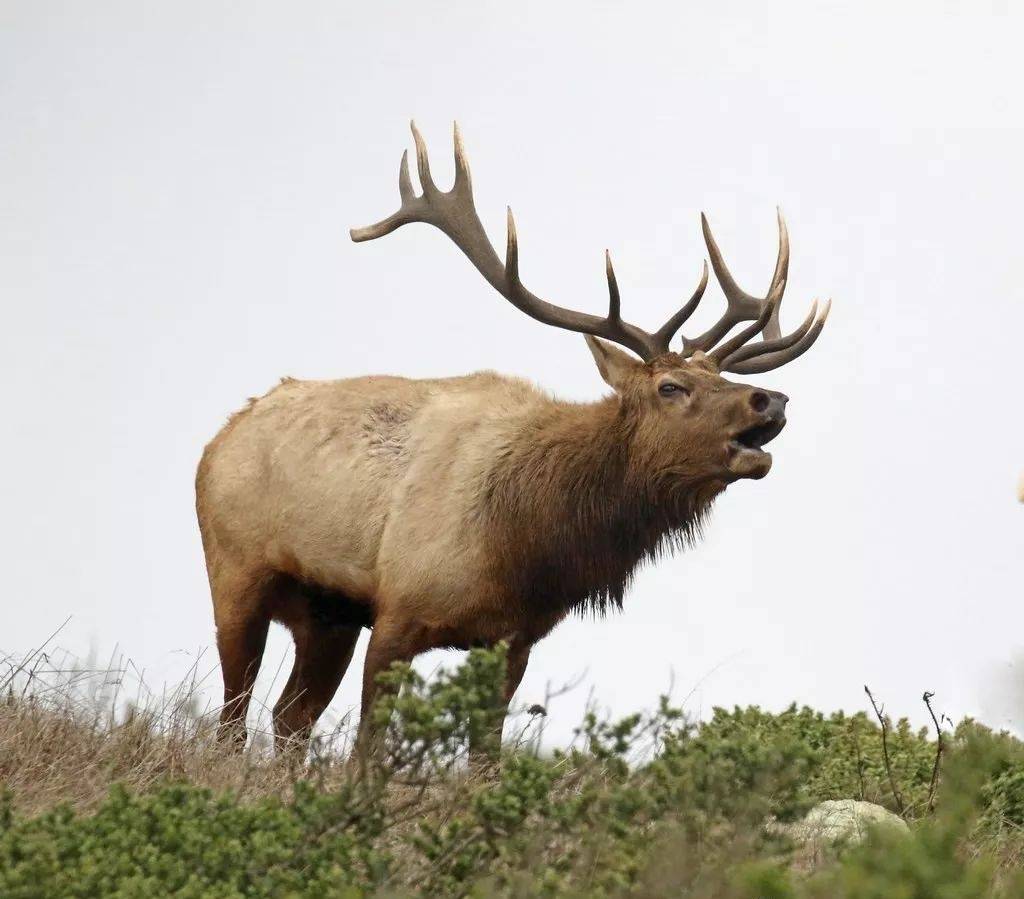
<point>69,731</point>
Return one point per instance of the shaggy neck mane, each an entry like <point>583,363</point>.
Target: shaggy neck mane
<point>572,511</point>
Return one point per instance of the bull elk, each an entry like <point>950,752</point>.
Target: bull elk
<point>462,511</point>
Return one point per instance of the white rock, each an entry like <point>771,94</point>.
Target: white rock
<point>836,822</point>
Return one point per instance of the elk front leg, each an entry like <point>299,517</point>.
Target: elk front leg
<point>488,745</point>
<point>515,667</point>
<point>388,644</point>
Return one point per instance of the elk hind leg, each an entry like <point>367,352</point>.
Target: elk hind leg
<point>240,603</point>
<point>325,630</point>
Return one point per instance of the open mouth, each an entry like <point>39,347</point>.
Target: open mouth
<point>756,437</point>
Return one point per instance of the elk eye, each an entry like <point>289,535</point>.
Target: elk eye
<point>669,389</point>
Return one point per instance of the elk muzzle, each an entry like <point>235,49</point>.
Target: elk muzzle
<point>767,411</point>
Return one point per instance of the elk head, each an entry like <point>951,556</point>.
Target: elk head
<point>689,422</point>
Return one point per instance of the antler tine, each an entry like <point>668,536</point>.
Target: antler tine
<point>741,306</point>
<point>720,353</point>
<point>770,361</point>
<point>668,330</point>
<point>397,219</point>
<point>462,176</point>
<point>405,190</point>
<point>422,162</point>
<point>772,330</point>
<point>614,305</point>
<point>511,248</point>
<point>769,346</point>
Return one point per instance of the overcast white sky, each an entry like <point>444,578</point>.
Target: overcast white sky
<point>176,185</point>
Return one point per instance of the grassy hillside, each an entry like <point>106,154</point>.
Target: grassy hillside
<point>108,798</point>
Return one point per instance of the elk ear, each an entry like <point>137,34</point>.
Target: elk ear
<point>616,366</point>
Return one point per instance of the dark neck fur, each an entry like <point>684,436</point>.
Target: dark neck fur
<point>571,513</point>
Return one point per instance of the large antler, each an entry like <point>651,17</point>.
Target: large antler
<point>774,350</point>
<point>454,213</point>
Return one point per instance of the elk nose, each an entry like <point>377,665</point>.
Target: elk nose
<point>769,402</point>
<point>760,401</point>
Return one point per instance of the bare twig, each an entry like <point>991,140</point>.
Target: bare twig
<point>860,757</point>
<point>31,657</point>
<point>885,750</point>
<point>927,697</point>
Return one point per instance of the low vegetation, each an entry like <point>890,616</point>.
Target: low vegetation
<point>108,798</point>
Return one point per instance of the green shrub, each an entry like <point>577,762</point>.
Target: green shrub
<point>647,805</point>
<point>185,842</point>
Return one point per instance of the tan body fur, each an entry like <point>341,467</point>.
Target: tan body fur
<point>370,490</point>
<point>368,487</point>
